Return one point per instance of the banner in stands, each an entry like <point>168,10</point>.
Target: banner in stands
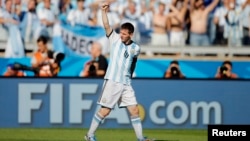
<point>58,102</point>
<point>76,40</point>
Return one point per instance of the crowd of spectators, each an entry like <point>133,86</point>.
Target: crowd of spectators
<point>157,22</point>
<point>181,22</point>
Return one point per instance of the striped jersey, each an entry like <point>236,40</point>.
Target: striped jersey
<point>122,59</point>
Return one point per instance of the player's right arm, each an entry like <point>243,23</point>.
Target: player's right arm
<point>105,20</point>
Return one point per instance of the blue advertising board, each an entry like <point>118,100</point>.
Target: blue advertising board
<point>71,102</point>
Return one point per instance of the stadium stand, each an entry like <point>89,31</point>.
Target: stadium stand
<point>130,10</point>
<point>216,52</point>
<point>154,56</point>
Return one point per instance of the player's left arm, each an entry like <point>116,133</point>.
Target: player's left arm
<point>133,65</point>
<point>134,61</point>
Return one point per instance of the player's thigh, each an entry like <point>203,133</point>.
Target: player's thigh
<point>128,97</point>
<point>111,94</point>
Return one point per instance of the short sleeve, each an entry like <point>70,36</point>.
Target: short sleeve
<point>113,37</point>
<point>137,50</point>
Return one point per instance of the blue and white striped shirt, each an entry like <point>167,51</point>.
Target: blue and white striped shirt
<point>121,58</point>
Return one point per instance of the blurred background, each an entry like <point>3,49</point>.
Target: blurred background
<point>193,69</point>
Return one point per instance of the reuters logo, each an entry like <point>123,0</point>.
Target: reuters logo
<point>141,112</point>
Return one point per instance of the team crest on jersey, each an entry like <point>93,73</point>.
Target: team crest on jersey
<point>126,54</point>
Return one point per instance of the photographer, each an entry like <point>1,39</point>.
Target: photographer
<point>46,62</point>
<point>52,66</point>
<point>225,71</point>
<point>13,71</point>
<point>174,71</point>
<point>97,66</point>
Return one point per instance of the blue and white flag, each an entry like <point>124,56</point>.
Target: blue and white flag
<point>15,46</point>
<point>76,40</point>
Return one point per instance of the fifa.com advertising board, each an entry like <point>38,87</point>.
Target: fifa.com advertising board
<point>67,102</point>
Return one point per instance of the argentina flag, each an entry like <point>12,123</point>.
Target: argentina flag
<point>15,45</point>
<point>76,40</point>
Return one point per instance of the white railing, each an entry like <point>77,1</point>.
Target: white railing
<point>191,51</point>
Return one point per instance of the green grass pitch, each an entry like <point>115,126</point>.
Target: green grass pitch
<point>102,134</point>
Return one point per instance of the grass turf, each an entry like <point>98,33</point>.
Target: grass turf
<point>102,134</point>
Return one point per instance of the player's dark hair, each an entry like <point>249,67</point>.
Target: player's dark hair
<point>42,39</point>
<point>128,26</point>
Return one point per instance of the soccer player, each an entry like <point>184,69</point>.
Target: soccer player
<point>117,87</point>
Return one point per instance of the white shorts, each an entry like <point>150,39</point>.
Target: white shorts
<point>116,93</point>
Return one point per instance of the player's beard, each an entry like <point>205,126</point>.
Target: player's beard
<point>126,40</point>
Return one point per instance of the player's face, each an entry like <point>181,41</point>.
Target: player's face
<point>125,35</point>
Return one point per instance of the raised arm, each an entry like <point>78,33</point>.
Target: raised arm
<point>212,5</point>
<point>247,2</point>
<point>180,15</point>
<point>191,8</point>
<point>105,20</point>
